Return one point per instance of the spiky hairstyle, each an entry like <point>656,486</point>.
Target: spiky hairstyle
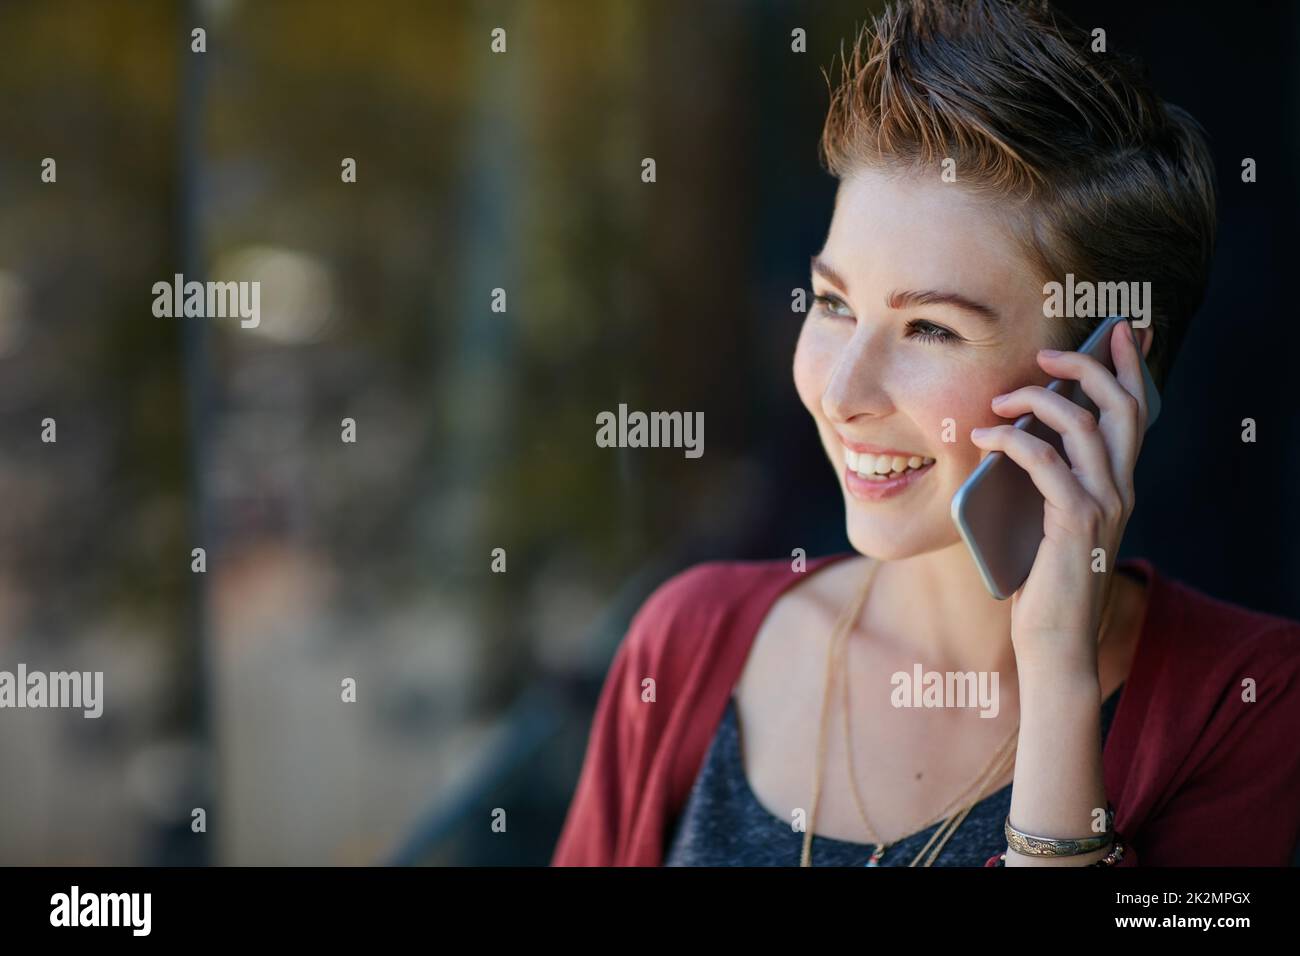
<point>1104,179</point>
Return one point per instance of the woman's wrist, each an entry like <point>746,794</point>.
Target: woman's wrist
<point>1058,673</point>
<point>1058,780</point>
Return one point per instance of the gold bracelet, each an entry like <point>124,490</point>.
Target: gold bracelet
<point>1029,845</point>
<point>1112,858</point>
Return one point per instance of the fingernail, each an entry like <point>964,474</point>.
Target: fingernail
<point>978,432</point>
<point>1049,352</point>
<point>998,398</point>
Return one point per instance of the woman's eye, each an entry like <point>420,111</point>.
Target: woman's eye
<point>916,329</point>
<point>929,332</point>
<point>828,302</point>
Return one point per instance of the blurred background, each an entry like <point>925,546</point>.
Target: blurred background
<point>372,560</point>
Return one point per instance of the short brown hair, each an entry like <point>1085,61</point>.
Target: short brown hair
<point>1113,184</point>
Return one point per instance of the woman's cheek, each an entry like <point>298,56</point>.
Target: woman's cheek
<point>813,360</point>
<point>951,413</point>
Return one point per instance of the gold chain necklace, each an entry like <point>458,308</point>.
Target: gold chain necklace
<point>1002,760</point>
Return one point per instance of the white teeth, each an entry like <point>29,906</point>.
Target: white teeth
<point>868,465</point>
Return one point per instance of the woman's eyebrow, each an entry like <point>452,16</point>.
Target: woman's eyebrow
<point>911,297</point>
<point>823,269</point>
<point>903,299</point>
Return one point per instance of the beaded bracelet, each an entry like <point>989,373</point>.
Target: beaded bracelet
<point>1110,859</point>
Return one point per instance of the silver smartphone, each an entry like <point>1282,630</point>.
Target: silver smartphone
<point>999,511</point>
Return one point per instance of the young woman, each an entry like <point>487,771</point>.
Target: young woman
<point>766,713</point>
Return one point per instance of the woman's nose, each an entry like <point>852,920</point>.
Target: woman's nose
<point>857,382</point>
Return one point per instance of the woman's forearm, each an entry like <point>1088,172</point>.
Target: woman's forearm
<point>1058,786</point>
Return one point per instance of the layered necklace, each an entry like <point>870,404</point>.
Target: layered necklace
<point>955,812</point>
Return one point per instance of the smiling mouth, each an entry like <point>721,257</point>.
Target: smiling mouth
<point>883,467</point>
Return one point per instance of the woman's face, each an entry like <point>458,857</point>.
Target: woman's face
<point>925,309</point>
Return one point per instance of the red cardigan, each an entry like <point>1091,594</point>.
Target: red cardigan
<point>1197,776</point>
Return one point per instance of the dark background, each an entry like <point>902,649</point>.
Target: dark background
<point>521,171</point>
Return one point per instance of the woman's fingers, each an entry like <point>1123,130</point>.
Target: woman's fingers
<point>1085,446</point>
<point>1128,369</point>
<point>1121,412</point>
<point>1049,473</point>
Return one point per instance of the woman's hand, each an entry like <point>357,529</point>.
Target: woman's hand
<point>1056,613</point>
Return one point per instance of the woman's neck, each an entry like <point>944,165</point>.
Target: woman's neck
<point>935,608</point>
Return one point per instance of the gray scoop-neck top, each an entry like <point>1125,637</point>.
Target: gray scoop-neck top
<point>724,824</point>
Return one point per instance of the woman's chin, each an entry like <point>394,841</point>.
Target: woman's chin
<point>888,544</point>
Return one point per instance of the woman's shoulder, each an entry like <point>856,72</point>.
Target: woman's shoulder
<point>1192,619</point>
<point>1205,741</point>
<point>715,597</point>
<point>1207,662</point>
